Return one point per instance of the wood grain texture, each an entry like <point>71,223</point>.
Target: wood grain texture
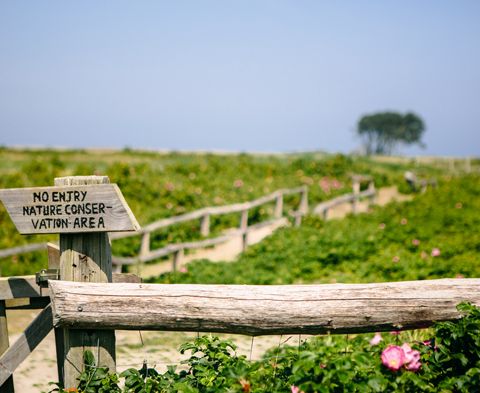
<point>261,310</point>
<point>69,209</point>
<point>25,344</point>
<point>321,208</point>
<point>84,257</point>
<point>26,286</point>
<point>7,386</point>
<point>172,248</point>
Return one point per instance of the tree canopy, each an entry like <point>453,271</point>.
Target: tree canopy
<point>382,132</point>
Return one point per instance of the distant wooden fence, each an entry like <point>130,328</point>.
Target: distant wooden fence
<point>147,254</point>
<point>323,208</point>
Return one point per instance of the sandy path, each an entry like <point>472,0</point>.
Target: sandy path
<point>161,348</point>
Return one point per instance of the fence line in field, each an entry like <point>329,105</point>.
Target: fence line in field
<point>146,254</point>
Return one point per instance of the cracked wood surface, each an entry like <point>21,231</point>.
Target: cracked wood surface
<point>261,310</point>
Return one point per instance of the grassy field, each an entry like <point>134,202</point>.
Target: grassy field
<point>433,236</point>
<point>159,185</point>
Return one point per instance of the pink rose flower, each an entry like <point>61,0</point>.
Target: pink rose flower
<point>415,242</point>
<point>396,259</point>
<point>382,225</point>
<point>238,183</point>
<point>403,221</point>
<point>376,339</point>
<point>435,252</point>
<point>336,184</point>
<point>393,357</point>
<point>169,186</point>
<point>324,184</point>
<point>412,358</point>
<point>413,366</point>
<point>295,389</point>
<point>458,205</point>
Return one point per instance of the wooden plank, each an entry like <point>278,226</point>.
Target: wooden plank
<point>278,211</point>
<point>26,286</point>
<point>205,225</point>
<point>34,303</point>
<point>8,252</point>
<point>26,343</point>
<point>20,287</point>
<point>7,385</point>
<point>85,257</point>
<point>69,209</point>
<point>53,251</point>
<point>214,210</point>
<point>260,310</point>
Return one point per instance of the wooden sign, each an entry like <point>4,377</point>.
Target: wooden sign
<point>69,209</point>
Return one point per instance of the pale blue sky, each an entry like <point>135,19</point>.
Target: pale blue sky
<point>236,75</point>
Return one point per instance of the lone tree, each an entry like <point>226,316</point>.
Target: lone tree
<point>382,132</point>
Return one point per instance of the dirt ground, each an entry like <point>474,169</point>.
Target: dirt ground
<point>160,348</point>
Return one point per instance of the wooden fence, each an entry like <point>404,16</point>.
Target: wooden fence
<point>146,253</point>
<point>323,208</point>
<point>240,309</point>
<point>204,215</point>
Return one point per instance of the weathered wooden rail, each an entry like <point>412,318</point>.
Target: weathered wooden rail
<point>127,304</point>
<point>260,310</point>
<point>146,254</point>
<point>23,292</point>
<point>323,208</point>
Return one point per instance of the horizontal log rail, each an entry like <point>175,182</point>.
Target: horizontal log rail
<point>176,247</point>
<point>146,254</point>
<point>260,310</point>
<point>8,252</point>
<point>212,210</point>
<point>322,208</point>
<point>20,287</point>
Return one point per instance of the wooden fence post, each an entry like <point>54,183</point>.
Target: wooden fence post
<point>356,191</point>
<point>468,165</point>
<point>304,201</point>
<point>371,199</point>
<point>177,259</point>
<point>7,387</point>
<point>145,246</point>
<point>244,228</point>
<point>278,212</point>
<point>84,257</point>
<point>205,225</point>
<point>452,164</point>
<point>325,214</point>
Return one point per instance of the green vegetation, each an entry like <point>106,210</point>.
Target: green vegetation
<point>448,361</point>
<point>161,185</point>
<point>433,236</point>
<point>382,132</point>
